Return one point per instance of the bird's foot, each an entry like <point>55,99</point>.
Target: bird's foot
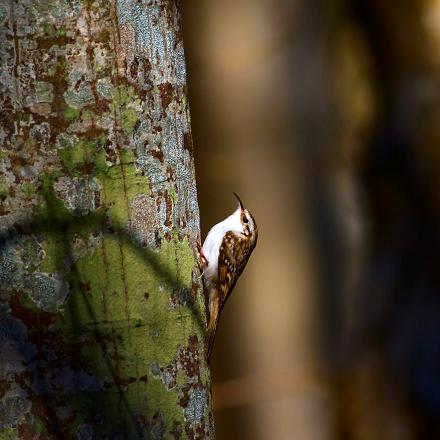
<point>201,259</point>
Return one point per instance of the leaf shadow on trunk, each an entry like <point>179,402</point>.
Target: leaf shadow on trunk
<point>40,342</point>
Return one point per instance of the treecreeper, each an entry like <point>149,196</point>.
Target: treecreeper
<point>222,259</point>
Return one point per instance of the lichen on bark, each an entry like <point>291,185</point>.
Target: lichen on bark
<point>101,304</point>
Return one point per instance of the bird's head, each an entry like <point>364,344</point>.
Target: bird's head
<point>249,227</point>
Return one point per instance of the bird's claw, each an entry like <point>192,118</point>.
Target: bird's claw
<point>201,259</point>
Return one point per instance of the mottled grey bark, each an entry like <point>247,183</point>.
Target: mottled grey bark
<point>101,308</point>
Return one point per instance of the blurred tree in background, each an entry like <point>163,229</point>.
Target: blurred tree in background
<point>396,350</point>
<point>102,316</point>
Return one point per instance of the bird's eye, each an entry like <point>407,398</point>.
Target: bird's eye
<point>245,220</point>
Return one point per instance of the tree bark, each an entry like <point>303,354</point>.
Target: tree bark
<point>102,314</point>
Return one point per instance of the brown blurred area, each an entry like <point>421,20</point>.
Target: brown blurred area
<point>324,117</point>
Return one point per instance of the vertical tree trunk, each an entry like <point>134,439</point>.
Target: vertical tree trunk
<point>101,309</point>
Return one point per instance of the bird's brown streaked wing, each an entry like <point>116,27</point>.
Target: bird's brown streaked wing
<point>233,256</point>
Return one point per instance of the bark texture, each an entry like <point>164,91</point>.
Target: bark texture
<point>101,309</point>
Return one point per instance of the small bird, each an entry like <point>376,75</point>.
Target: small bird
<point>224,255</point>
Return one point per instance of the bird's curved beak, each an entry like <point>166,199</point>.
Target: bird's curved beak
<point>240,205</point>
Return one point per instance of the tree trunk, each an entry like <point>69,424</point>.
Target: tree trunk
<point>102,314</point>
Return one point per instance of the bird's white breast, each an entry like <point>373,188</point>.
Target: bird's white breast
<point>213,241</point>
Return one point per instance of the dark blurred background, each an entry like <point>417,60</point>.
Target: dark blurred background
<point>324,117</point>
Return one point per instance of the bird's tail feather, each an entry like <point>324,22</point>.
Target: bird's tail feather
<point>210,336</point>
